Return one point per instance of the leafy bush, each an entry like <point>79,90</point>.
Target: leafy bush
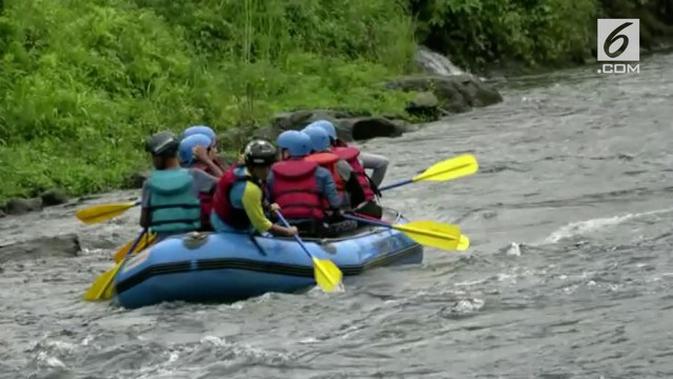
<point>477,32</point>
<point>83,82</point>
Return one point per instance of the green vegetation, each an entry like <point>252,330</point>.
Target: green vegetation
<point>83,82</point>
<point>482,33</point>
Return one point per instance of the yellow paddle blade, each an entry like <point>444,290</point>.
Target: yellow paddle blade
<point>102,212</point>
<point>449,169</point>
<point>101,289</point>
<point>432,234</point>
<point>463,243</point>
<point>327,274</point>
<point>147,240</point>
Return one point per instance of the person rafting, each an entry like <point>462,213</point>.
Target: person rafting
<point>363,191</point>
<point>305,191</point>
<point>377,163</point>
<point>341,171</point>
<point>212,151</point>
<point>170,196</point>
<point>239,196</point>
<point>195,152</point>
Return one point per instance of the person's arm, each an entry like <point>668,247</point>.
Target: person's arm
<point>357,194</point>
<point>327,187</point>
<point>344,169</point>
<point>252,204</point>
<point>203,181</point>
<point>201,154</point>
<point>377,163</point>
<point>144,206</point>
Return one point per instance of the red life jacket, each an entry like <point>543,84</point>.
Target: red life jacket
<point>329,161</point>
<point>295,190</point>
<point>221,205</point>
<point>350,155</point>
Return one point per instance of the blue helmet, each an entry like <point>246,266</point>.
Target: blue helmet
<point>325,125</point>
<point>199,129</point>
<point>285,139</point>
<point>319,139</point>
<point>297,143</point>
<point>188,144</point>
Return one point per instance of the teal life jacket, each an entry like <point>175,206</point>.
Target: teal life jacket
<point>172,204</point>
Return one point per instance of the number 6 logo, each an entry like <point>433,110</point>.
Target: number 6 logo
<point>614,37</point>
<point>618,39</point>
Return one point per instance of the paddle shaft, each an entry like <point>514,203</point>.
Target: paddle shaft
<point>326,274</point>
<point>100,294</point>
<point>395,185</point>
<point>296,236</point>
<point>401,228</point>
<point>135,244</point>
<point>436,170</point>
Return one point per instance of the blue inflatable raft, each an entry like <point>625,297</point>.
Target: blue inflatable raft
<point>224,267</point>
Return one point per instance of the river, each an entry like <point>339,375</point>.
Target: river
<point>569,274</point>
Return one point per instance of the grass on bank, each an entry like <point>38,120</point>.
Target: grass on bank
<point>83,82</point>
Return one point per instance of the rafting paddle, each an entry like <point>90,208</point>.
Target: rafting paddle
<point>103,212</point>
<point>326,273</point>
<point>147,240</point>
<point>449,169</point>
<point>427,233</point>
<point>101,288</point>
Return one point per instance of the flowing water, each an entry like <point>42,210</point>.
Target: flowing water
<point>435,63</point>
<point>569,274</point>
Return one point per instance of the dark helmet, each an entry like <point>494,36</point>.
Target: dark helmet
<point>260,153</point>
<point>163,144</point>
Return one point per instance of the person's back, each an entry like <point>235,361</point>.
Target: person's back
<point>362,189</point>
<point>305,191</point>
<point>365,203</point>
<point>238,199</point>
<point>293,185</point>
<point>377,163</point>
<point>339,169</point>
<point>169,199</point>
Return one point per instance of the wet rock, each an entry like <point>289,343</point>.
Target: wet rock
<point>425,105</point>
<point>362,128</point>
<point>349,126</point>
<point>21,206</point>
<point>53,197</point>
<point>136,179</point>
<point>457,93</point>
<point>2,214</point>
<point>299,119</point>
<point>66,245</point>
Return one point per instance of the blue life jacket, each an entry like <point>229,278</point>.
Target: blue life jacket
<point>172,204</point>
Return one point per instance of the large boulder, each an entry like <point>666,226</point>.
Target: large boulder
<point>66,245</point>
<point>54,196</point>
<point>362,128</point>
<point>21,206</point>
<point>424,105</point>
<point>349,126</point>
<point>300,119</point>
<point>457,93</point>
